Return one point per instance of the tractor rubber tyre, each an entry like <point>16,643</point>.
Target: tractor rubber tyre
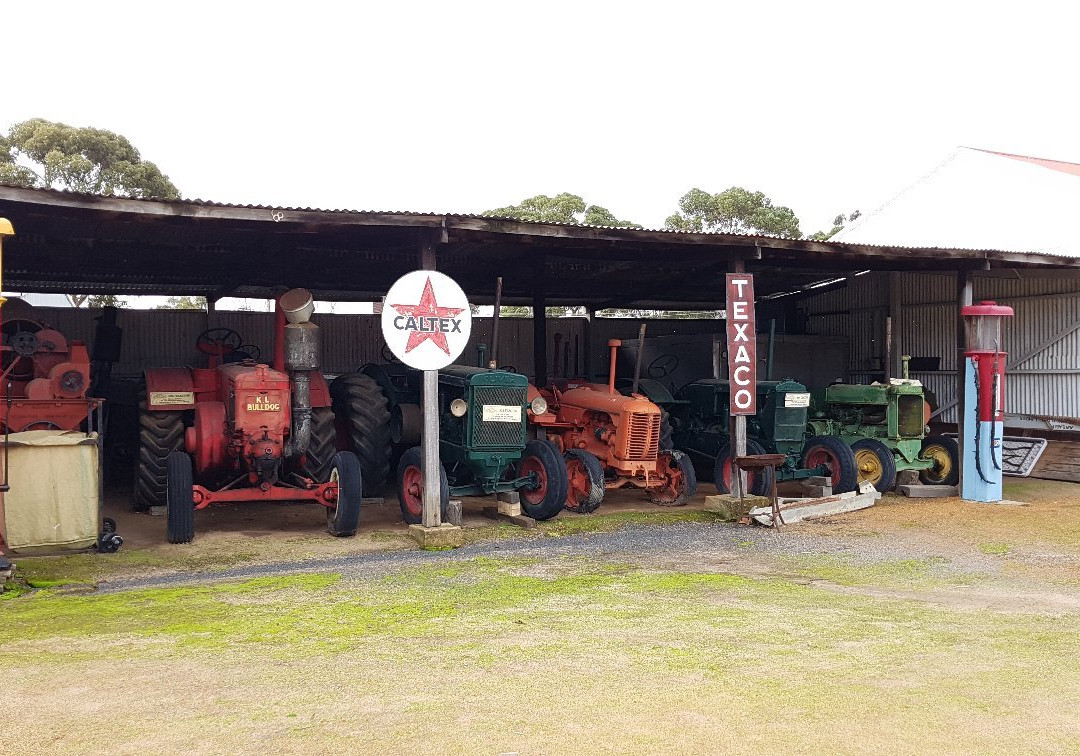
<point>363,409</point>
<point>875,463</point>
<point>410,479</point>
<point>160,434</point>
<point>546,497</point>
<point>757,483</point>
<point>585,481</point>
<point>681,479</point>
<point>667,435</point>
<point>946,455</point>
<point>179,501</point>
<point>838,456</point>
<point>342,519</point>
<point>318,460</point>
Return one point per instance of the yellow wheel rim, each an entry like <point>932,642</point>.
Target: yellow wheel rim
<point>942,462</point>
<point>869,466</point>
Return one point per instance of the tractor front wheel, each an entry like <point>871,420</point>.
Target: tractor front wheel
<point>545,496</point>
<point>758,482</point>
<point>835,455</point>
<point>344,516</point>
<point>680,480</point>
<point>585,481</point>
<point>410,478</point>
<point>875,463</point>
<point>179,500</point>
<point>945,453</point>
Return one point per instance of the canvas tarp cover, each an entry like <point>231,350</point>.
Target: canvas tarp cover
<point>55,499</point>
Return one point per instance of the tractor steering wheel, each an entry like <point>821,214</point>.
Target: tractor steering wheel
<point>248,351</point>
<point>662,366</point>
<point>218,342</point>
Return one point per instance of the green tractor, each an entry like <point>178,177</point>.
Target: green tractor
<point>700,423</point>
<point>482,443</point>
<point>885,426</point>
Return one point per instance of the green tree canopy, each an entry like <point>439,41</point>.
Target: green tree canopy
<point>40,153</point>
<point>562,208</point>
<point>183,303</point>
<point>734,211</point>
<point>837,224</point>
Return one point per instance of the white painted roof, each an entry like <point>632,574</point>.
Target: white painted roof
<point>978,199</point>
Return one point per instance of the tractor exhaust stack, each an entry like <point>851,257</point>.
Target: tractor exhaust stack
<point>301,347</point>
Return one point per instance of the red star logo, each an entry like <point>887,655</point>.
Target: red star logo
<point>428,308</point>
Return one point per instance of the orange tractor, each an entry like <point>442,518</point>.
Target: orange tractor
<point>610,440</point>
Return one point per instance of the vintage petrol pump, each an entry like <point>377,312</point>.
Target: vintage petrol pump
<point>984,400</point>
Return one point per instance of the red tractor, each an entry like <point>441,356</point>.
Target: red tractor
<point>256,432</point>
<point>610,441</point>
<point>45,376</point>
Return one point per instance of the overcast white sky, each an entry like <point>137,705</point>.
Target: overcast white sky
<point>462,107</point>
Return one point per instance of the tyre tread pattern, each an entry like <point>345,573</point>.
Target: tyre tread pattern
<point>360,403</point>
<point>160,434</point>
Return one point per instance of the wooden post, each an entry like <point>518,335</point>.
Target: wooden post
<point>896,346</point>
<point>738,422</point>
<point>539,322</point>
<point>964,294</point>
<point>432,515</point>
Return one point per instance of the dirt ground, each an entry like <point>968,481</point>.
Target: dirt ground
<point>912,626</point>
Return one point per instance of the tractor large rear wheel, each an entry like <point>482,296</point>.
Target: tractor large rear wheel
<point>545,496</point>
<point>180,502</point>
<point>319,457</point>
<point>160,434</point>
<point>362,408</point>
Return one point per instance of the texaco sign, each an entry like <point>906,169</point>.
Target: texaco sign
<point>426,320</point>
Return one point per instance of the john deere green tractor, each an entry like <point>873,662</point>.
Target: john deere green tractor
<point>700,421</point>
<point>482,443</point>
<point>885,425</point>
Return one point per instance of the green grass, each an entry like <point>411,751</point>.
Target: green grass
<point>920,574</point>
<point>996,549</point>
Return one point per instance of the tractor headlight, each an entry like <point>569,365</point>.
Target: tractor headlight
<point>459,407</point>
<point>538,405</point>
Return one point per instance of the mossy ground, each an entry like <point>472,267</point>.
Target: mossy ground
<point>493,655</point>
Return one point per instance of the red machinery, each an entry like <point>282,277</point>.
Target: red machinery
<point>256,432</point>
<point>611,441</point>
<point>46,378</point>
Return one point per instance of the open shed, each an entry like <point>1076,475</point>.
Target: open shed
<point>872,295</point>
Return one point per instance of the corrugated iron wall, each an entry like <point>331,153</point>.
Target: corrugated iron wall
<point>167,337</point>
<point>1047,384</point>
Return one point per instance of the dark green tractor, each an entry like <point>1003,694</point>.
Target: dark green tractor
<point>482,443</point>
<point>885,425</point>
<point>700,423</point>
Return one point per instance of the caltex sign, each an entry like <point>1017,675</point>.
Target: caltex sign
<point>426,320</point>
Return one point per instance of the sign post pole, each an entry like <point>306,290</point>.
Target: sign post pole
<point>426,323</point>
<point>742,363</point>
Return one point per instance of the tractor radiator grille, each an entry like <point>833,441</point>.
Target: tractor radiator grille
<point>912,419</point>
<point>495,433</point>
<point>642,437</point>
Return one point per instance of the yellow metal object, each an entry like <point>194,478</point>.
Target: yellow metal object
<point>869,466</point>
<point>6,229</point>
<point>942,462</point>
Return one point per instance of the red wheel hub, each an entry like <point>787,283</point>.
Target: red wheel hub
<point>819,455</point>
<point>412,490</point>
<point>751,476</point>
<point>533,466</point>
<point>580,487</point>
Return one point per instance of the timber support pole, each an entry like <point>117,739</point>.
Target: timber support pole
<point>432,516</point>
<point>540,322</point>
